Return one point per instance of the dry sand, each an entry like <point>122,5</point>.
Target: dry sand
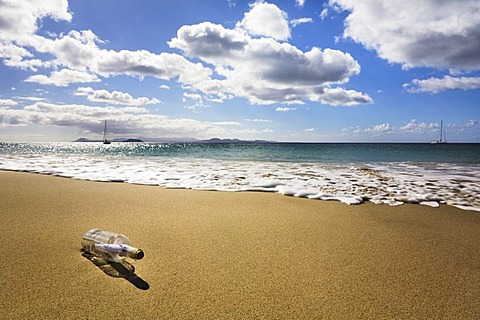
<point>224,255</point>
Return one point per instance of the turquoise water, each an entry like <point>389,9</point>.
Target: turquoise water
<point>352,173</point>
<point>288,152</point>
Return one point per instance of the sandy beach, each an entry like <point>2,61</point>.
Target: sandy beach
<point>231,255</point>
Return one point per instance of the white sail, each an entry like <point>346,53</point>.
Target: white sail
<point>105,140</point>
<point>443,138</point>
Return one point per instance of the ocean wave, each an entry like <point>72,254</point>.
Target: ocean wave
<point>392,183</point>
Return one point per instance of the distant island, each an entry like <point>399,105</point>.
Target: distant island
<point>178,140</point>
<point>115,140</point>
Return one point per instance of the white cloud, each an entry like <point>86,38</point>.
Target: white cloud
<point>250,131</point>
<point>462,126</point>
<point>384,127</point>
<point>79,54</point>
<point>285,109</point>
<point>309,130</point>
<point>324,13</point>
<point>266,19</point>
<point>194,101</point>
<point>432,33</point>
<point>300,3</point>
<point>456,72</point>
<point>63,78</point>
<point>7,102</point>
<point>211,42</point>
<point>471,123</point>
<point>265,71</point>
<point>340,97</point>
<point>296,22</point>
<point>233,63</point>
<point>412,131</point>
<point>134,110</point>
<point>114,97</point>
<point>375,130</point>
<point>11,118</point>
<point>14,56</point>
<point>418,127</point>
<point>32,98</point>
<point>436,85</point>
<point>258,120</point>
<point>164,87</point>
<point>78,50</point>
<point>192,96</point>
<point>19,18</point>
<point>32,64</point>
<point>122,121</point>
<point>143,63</point>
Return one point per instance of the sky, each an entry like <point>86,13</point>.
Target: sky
<point>290,70</point>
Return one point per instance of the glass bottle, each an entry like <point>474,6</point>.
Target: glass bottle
<point>109,245</point>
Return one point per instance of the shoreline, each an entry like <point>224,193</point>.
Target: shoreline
<point>232,254</point>
<point>383,193</point>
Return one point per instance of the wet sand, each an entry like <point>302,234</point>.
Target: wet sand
<point>231,255</point>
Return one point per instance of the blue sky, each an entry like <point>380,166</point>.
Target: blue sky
<point>320,71</point>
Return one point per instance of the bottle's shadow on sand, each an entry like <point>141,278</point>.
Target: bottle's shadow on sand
<point>124,270</point>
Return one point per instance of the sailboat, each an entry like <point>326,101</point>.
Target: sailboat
<point>443,137</point>
<point>105,141</point>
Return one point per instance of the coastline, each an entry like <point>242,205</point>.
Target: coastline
<point>212,254</point>
<point>379,173</point>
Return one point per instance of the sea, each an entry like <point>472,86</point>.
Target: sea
<point>353,173</point>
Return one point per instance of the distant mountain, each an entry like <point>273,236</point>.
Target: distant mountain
<point>115,140</point>
<point>86,140</point>
<point>167,140</point>
<point>177,140</point>
<point>127,140</point>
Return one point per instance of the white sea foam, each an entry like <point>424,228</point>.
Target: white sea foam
<point>388,183</point>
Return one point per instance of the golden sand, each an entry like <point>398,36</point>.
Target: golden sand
<point>225,255</point>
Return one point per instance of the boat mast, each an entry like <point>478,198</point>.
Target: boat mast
<point>105,131</point>
<point>105,141</point>
<point>444,135</point>
<point>441,129</point>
